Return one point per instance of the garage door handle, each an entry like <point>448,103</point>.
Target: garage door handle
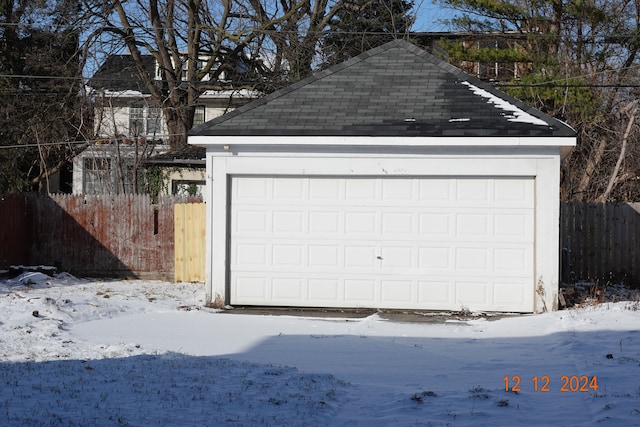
<point>378,257</point>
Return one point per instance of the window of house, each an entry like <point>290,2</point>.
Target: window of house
<point>136,120</point>
<point>199,115</point>
<point>103,176</point>
<point>201,63</point>
<point>154,120</point>
<point>97,176</point>
<point>187,188</point>
<point>145,119</point>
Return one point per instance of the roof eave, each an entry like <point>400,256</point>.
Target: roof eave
<point>450,141</point>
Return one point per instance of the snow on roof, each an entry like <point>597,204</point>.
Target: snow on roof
<point>517,115</point>
<point>130,93</point>
<point>240,93</point>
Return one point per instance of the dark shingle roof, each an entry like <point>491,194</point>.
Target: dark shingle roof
<point>119,73</point>
<point>397,89</point>
<point>187,155</point>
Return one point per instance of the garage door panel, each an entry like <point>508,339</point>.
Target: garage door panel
<point>511,261</point>
<point>328,190</point>
<point>433,294</point>
<point>435,259</point>
<point>398,190</point>
<point>360,257</point>
<point>473,225</point>
<point>360,293</point>
<point>251,221</point>
<point>251,288</point>
<point>323,291</point>
<point>287,289</point>
<point>346,242</point>
<point>398,223</point>
<point>509,292</point>
<point>287,255</point>
<point>435,224</point>
<point>472,294</point>
<point>327,256</point>
<point>287,221</point>
<point>397,292</point>
<point>472,259</point>
<point>252,254</point>
<point>473,191</point>
<point>516,226</point>
<point>396,258</point>
<point>252,190</point>
<point>325,222</point>
<point>362,190</point>
<point>288,190</point>
<point>435,190</point>
<point>361,223</point>
<point>510,192</point>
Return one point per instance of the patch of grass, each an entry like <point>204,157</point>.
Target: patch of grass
<point>478,392</point>
<point>419,397</point>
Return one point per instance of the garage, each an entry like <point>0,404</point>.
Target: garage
<point>391,181</point>
<point>424,243</point>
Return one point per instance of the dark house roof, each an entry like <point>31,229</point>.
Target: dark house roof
<point>190,156</point>
<point>119,73</point>
<point>396,89</point>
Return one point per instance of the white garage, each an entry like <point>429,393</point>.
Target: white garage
<point>385,198</point>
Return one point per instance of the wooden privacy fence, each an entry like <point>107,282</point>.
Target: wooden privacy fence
<point>90,235</point>
<point>600,241</point>
<point>128,235</point>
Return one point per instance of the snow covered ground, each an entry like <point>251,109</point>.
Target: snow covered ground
<point>141,353</point>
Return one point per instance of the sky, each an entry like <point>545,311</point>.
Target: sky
<point>430,16</point>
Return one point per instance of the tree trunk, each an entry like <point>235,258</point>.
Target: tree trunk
<point>179,120</point>
<point>623,151</point>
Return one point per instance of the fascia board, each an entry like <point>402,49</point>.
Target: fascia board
<point>384,141</point>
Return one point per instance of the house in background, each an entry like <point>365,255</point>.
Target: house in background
<point>471,44</point>
<point>183,172</point>
<point>392,180</point>
<point>131,128</point>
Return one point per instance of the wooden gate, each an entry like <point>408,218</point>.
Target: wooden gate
<point>190,246</point>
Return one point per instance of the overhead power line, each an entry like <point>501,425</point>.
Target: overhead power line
<point>515,34</point>
<point>237,85</point>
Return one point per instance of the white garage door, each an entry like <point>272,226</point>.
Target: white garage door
<point>422,243</point>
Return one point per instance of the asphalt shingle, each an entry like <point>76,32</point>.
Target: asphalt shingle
<point>374,93</point>
<point>119,73</point>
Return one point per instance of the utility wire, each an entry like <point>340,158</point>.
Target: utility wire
<point>552,83</point>
<point>512,34</point>
<point>79,142</point>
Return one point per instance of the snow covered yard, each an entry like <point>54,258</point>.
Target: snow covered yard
<point>140,353</point>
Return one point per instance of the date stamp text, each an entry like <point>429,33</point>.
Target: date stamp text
<point>545,384</point>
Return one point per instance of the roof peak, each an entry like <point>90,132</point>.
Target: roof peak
<point>375,92</point>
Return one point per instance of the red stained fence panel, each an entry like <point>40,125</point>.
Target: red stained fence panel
<point>101,235</point>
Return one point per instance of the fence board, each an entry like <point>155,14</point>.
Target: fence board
<point>190,247</point>
<point>14,234</point>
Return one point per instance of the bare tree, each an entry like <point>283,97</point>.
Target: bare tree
<point>43,120</point>
<point>195,41</point>
<point>583,68</point>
